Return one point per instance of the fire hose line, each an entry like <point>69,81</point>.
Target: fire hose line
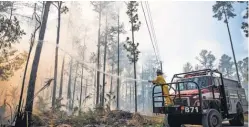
<point>93,68</point>
<point>106,73</point>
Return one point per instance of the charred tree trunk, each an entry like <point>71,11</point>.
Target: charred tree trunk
<point>103,89</point>
<point>143,87</point>
<point>86,89</point>
<point>98,61</point>
<point>130,97</point>
<point>135,74</point>
<point>75,81</point>
<point>95,85</point>
<point>85,92</point>
<point>126,92</point>
<point>56,53</point>
<point>81,86</point>
<point>33,75</point>
<point>69,85</point>
<point>111,78</point>
<point>32,39</point>
<point>118,68</point>
<point>82,76</point>
<point>62,75</point>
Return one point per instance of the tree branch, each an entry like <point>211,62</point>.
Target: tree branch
<point>37,18</point>
<point>55,4</point>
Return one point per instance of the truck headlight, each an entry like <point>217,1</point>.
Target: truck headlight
<point>197,96</point>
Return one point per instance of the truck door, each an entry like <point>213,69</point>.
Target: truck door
<point>227,94</point>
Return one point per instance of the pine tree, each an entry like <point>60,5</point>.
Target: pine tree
<point>131,46</point>
<point>206,59</point>
<point>187,67</point>
<point>226,66</point>
<point>60,9</point>
<point>32,79</point>
<point>224,9</point>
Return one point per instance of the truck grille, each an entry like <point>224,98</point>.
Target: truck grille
<point>181,101</point>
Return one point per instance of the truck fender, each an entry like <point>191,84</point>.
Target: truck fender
<point>239,104</point>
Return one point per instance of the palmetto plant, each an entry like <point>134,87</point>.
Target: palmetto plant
<point>110,97</point>
<point>84,101</point>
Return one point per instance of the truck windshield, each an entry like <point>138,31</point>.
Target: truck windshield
<point>201,81</point>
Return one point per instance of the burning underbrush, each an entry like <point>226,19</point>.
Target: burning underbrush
<point>94,118</point>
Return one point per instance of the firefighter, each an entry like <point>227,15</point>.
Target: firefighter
<point>160,80</point>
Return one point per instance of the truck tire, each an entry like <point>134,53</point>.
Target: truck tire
<point>212,119</point>
<point>173,121</point>
<point>238,120</point>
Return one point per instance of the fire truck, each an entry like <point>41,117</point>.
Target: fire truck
<point>201,97</point>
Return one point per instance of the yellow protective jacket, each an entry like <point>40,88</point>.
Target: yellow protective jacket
<point>160,80</point>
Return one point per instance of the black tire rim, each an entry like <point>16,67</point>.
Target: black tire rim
<point>214,120</point>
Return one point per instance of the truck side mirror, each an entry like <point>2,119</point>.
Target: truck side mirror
<point>216,82</point>
<point>215,86</point>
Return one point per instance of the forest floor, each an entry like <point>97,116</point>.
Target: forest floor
<point>99,118</point>
<point>114,118</point>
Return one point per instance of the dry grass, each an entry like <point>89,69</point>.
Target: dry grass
<point>116,117</point>
<point>138,120</point>
<point>156,119</point>
<point>246,117</point>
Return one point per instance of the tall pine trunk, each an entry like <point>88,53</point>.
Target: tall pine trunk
<point>98,61</point>
<point>86,89</point>
<point>111,82</point>
<point>143,87</point>
<point>33,75</point>
<point>126,93</point>
<point>118,68</point>
<point>75,81</point>
<point>130,96</point>
<point>85,92</point>
<point>103,89</point>
<point>111,78</point>
<point>81,86</point>
<point>134,60</point>
<point>56,53</point>
<point>50,88</point>
<point>32,39</point>
<point>95,85</point>
<point>62,75</point>
<point>231,42</point>
<point>69,84</point>
<point>82,76</point>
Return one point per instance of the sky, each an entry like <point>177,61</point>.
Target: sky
<point>182,29</point>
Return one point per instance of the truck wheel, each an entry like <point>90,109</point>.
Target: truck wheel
<point>238,120</point>
<point>173,121</point>
<point>212,119</point>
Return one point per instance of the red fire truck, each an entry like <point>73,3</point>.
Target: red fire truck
<point>202,97</point>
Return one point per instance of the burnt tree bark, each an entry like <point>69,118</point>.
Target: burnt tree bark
<point>33,74</point>
<point>62,75</point>
<point>56,53</point>
<point>105,50</point>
